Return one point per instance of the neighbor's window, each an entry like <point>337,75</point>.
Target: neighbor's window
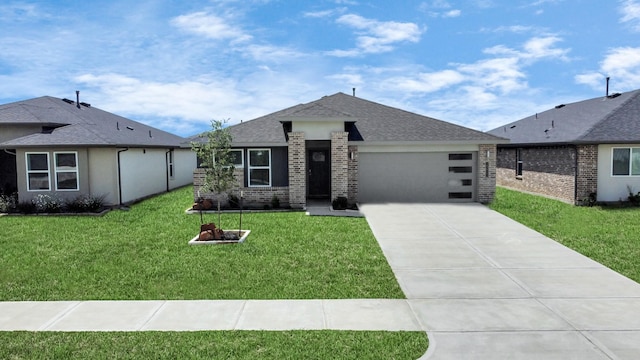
<point>625,162</point>
<point>259,167</point>
<point>170,162</point>
<point>38,172</point>
<point>518,162</point>
<point>66,168</point>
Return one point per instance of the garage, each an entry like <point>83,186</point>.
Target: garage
<point>417,177</point>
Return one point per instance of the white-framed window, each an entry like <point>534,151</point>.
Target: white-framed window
<point>259,167</point>
<point>625,161</point>
<point>38,171</point>
<point>518,162</point>
<point>66,169</point>
<point>170,164</point>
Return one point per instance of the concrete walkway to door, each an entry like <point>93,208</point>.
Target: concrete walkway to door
<point>486,287</point>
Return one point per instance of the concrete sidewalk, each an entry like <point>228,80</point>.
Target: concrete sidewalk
<point>200,315</point>
<point>486,287</point>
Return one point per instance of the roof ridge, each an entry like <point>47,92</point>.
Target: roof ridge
<point>612,113</point>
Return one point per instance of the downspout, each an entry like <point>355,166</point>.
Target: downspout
<point>120,177</point>
<point>10,153</point>
<point>166,164</point>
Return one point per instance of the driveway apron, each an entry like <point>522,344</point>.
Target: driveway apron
<point>486,287</point>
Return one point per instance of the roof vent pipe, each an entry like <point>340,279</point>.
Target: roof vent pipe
<point>78,98</point>
<point>354,91</point>
<point>608,85</point>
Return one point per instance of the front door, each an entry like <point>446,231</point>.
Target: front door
<point>319,172</point>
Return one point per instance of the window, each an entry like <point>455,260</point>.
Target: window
<point>460,169</point>
<point>460,195</point>
<point>66,168</point>
<point>236,157</point>
<point>518,162</point>
<point>38,172</point>
<point>259,167</point>
<point>625,162</point>
<point>170,164</point>
<point>465,156</point>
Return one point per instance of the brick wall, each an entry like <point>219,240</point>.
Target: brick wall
<point>297,170</point>
<point>352,186</point>
<point>339,165</point>
<point>486,173</point>
<point>548,171</point>
<point>587,178</point>
<point>253,196</point>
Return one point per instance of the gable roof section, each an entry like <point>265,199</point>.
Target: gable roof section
<point>84,126</point>
<point>613,119</point>
<point>376,123</point>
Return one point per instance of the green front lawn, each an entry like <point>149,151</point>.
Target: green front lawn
<point>608,235</point>
<point>214,345</point>
<point>143,254</point>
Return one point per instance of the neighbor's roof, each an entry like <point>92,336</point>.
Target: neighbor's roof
<point>374,122</point>
<point>608,119</point>
<point>84,126</point>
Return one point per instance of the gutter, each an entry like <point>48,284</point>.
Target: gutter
<point>10,153</point>
<point>120,177</point>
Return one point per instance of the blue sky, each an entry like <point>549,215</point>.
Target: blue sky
<point>177,65</point>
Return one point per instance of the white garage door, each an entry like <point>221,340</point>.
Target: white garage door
<point>417,177</point>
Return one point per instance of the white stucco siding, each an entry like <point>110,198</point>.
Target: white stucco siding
<point>103,174</point>
<point>614,188</point>
<point>184,162</point>
<point>318,130</point>
<point>143,172</point>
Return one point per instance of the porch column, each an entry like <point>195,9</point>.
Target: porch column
<point>339,164</point>
<point>297,171</point>
<point>486,173</point>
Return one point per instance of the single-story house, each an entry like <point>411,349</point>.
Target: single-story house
<point>345,146</point>
<point>70,148</point>
<point>575,152</point>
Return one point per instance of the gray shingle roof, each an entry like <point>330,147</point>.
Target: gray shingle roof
<point>599,120</point>
<point>375,123</point>
<point>84,126</point>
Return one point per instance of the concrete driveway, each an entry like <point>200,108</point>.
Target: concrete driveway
<point>486,287</point>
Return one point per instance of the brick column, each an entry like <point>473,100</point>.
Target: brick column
<point>353,174</point>
<point>339,164</point>
<point>297,171</point>
<point>587,172</point>
<point>486,174</point>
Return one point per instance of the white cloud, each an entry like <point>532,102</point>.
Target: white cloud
<point>621,64</point>
<point>324,13</point>
<point>439,8</point>
<point>630,10</point>
<point>211,26</point>
<point>426,82</point>
<point>376,36</point>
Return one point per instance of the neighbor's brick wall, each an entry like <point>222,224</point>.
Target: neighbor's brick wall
<point>339,164</point>
<point>297,170</point>
<point>352,187</point>
<point>486,173</point>
<point>253,196</point>
<point>587,179</point>
<point>548,171</point>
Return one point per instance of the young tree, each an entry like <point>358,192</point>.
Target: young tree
<point>214,157</point>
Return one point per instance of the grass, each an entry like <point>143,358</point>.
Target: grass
<point>214,345</point>
<point>143,254</point>
<point>608,235</point>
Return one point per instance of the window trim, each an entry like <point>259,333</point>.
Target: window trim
<point>56,171</point>
<point>250,167</point>
<point>48,171</point>
<point>630,163</point>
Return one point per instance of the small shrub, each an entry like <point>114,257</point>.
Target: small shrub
<point>275,202</point>
<point>234,202</point>
<point>48,203</point>
<point>634,199</point>
<point>26,207</point>
<point>85,203</point>
<point>340,203</point>
<point>8,203</point>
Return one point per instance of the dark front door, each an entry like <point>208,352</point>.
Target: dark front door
<point>319,172</point>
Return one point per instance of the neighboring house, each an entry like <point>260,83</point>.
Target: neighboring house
<point>345,146</point>
<point>574,151</point>
<point>59,146</point>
